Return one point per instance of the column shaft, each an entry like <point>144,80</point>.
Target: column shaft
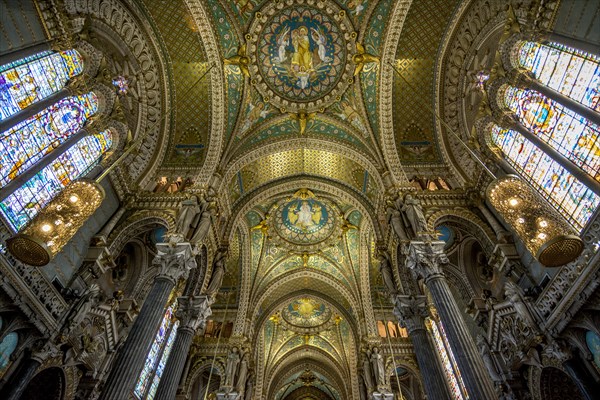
<point>16,389</point>
<point>474,374</point>
<point>131,358</point>
<point>169,382</point>
<point>431,371</point>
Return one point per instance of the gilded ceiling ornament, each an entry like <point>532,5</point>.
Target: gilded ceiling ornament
<point>299,53</point>
<point>302,117</point>
<point>361,57</point>
<point>240,59</point>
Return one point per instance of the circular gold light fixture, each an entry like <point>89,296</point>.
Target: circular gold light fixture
<point>42,239</point>
<point>547,235</point>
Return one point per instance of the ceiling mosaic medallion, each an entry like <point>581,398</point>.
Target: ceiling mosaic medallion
<point>304,219</point>
<point>306,312</point>
<point>299,52</point>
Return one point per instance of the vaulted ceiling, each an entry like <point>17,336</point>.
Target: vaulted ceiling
<point>302,116</point>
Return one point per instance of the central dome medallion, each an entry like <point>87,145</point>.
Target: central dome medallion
<point>300,52</point>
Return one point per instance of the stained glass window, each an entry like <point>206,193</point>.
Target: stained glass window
<point>565,192</point>
<point>157,356</point>
<point>27,142</point>
<point>574,73</point>
<point>570,134</point>
<point>453,377</point>
<point>7,347</point>
<point>25,202</point>
<point>32,79</point>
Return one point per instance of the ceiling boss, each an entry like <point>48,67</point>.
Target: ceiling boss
<point>300,53</point>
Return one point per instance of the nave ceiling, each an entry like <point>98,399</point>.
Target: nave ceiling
<point>297,116</point>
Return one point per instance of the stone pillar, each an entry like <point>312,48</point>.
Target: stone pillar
<point>174,261</point>
<point>411,312</point>
<point>425,260</point>
<point>192,313</point>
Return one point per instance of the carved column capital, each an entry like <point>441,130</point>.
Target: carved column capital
<point>193,311</point>
<point>425,259</point>
<point>411,312</point>
<point>174,260</point>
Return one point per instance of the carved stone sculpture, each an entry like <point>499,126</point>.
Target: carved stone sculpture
<point>188,211</point>
<point>233,360</point>
<point>367,373</point>
<point>514,295</point>
<point>242,374</point>
<point>207,211</point>
<point>414,213</point>
<point>217,274</point>
<point>378,366</point>
<point>395,219</point>
<point>385,269</point>
<point>488,360</point>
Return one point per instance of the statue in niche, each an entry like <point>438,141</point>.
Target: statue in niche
<point>207,212</point>
<point>518,301</point>
<point>249,390</point>
<point>189,208</point>
<point>488,359</point>
<point>378,367</point>
<point>233,360</point>
<point>385,269</point>
<point>218,273</point>
<point>242,373</point>
<point>414,213</point>
<point>485,270</point>
<point>396,218</point>
<point>367,372</point>
<point>88,300</point>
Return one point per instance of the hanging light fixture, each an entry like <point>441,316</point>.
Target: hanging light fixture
<point>545,233</point>
<point>47,233</point>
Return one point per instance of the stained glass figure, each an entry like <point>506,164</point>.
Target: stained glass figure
<point>574,73</point>
<point>24,83</point>
<point>453,377</point>
<point>570,134</point>
<point>121,83</point>
<point>157,356</point>
<point>565,192</point>
<point>27,142</point>
<point>25,202</point>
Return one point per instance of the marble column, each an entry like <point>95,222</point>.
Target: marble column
<point>425,260</point>
<point>411,312</point>
<point>192,313</point>
<point>174,261</point>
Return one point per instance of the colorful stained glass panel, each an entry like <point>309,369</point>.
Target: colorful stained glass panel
<point>147,381</point>
<point>448,365</point>
<point>163,361</point>
<point>570,134</point>
<point>27,142</point>
<point>574,73</point>
<point>567,194</point>
<point>26,83</point>
<point>25,202</point>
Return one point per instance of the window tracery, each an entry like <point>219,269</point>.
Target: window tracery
<point>34,78</point>
<point>29,141</point>
<point>25,202</point>
<point>576,75</point>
